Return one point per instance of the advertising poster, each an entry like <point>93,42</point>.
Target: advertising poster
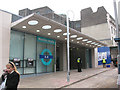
<point>104,52</point>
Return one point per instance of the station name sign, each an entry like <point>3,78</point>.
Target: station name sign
<point>45,40</point>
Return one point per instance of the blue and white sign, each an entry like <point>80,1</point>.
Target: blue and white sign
<point>49,57</point>
<point>104,52</point>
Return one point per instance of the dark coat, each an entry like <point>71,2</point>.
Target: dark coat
<point>12,81</point>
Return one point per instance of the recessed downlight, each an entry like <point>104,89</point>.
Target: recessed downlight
<point>73,36</point>
<point>65,38</point>
<point>78,42</point>
<point>93,43</point>
<point>96,43</point>
<point>84,40</point>
<point>65,34</point>
<point>99,45</point>
<point>72,40</point>
<point>46,27</point>
<point>49,33</point>
<point>79,38</point>
<point>24,27</point>
<point>89,41</point>
<point>33,22</point>
<point>57,30</point>
<point>58,36</point>
<point>37,30</point>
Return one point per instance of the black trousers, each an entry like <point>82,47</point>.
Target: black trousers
<point>79,67</point>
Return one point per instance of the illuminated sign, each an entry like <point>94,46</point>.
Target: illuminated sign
<point>49,57</point>
<point>45,40</point>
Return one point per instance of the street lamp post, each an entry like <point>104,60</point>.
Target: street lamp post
<point>68,58</point>
<point>117,39</point>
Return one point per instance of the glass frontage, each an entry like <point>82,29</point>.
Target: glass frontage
<point>29,54</point>
<point>32,54</point>
<point>88,58</point>
<point>16,49</point>
<point>45,55</point>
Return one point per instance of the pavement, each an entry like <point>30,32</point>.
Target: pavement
<point>59,79</point>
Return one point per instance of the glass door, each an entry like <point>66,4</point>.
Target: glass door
<point>45,55</point>
<point>40,66</point>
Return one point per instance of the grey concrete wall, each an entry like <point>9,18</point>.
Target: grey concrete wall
<point>15,17</point>
<point>90,18</point>
<point>5,26</point>
<point>25,12</point>
<point>76,25</point>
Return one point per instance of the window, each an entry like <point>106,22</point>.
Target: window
<point>38,12</point>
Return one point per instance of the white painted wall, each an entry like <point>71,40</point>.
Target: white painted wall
<point>97,31</point>
<point>5,25</point>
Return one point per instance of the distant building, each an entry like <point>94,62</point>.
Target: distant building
<point>49,13</point>
<point>44,11</point>
<point>99,25</point>
<point>76,25</point>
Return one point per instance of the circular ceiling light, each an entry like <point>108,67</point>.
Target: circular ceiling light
<point>73,36</point>
<point>65,34</point>
<point>33,22</point>
<point>99,45</point>
<point>65,38</point>
<point>57,30</point>
<point>24,27</point>
<point>49,33</point>
<point>84,40</point>
<point>37,30</point>
<point>46,27</point>
<point>77,42</point>
<point>58,36</point>
<point>72,40</point>
<point>96,43</point>
<point>93,43</point>
<point>89,41</point>
<point>79,38</point>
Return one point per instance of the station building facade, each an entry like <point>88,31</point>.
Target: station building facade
<point>37,44</point>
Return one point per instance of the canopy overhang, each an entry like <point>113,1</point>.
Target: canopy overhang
<point>39,21</point>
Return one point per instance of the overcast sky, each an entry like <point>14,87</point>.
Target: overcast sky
<point>58,6</point>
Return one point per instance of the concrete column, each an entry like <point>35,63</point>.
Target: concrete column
<point>5,25</point>
<point>64,57</point>
<point>95,57</point>
<point>61,57</point>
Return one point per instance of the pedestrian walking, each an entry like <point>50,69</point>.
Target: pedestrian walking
<point>10,77</point>
<point>104,62</point>
<point>79,62</point>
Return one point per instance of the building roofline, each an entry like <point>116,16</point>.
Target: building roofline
<point>10,13</point>
<point>42,7</point>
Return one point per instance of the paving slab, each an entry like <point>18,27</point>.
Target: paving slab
<point>58,79</point>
